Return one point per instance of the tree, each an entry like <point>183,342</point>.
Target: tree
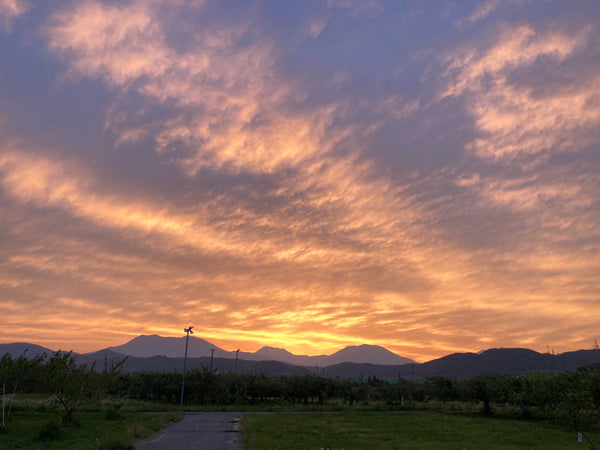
<point>70,384</point>
<point>544,390</point>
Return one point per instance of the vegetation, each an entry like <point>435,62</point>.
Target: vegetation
<point>35,423</point>
<point>82,396</point>
<point>70,384</point>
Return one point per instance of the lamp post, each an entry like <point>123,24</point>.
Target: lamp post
<point>187,336</point>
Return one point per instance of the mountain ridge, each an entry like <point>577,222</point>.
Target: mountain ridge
<point>145,346</point>
<point>514,361</point>
<point>148,346</point>
<point>509,361</point>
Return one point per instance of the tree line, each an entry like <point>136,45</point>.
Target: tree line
<point>570,396</point>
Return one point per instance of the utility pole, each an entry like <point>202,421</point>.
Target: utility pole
<point>237,352</point>
<point>187,337</point>
<point>212,351</point>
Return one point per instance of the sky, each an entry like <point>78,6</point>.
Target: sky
<point>424,176</point>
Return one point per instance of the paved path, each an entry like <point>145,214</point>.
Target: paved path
<point>203,430</point>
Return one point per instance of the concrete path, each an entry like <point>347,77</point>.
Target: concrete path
<point>202,430</point>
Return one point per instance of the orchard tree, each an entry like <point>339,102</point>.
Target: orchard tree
<point>73,385</point>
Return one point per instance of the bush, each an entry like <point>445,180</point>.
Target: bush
<point>114,412</point>
<point>50,431</point>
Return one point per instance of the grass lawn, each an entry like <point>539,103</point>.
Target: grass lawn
<point>119,424</point>
<point>414,430</point>
<point>96,429</point>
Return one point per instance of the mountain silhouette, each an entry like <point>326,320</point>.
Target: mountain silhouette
<point>16,349</point>
<point>272,361</point>
<point>145,346</point>
<point>371,354</point>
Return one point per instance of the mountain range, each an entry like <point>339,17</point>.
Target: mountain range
<point>156,353</point>
<point>145,346</point>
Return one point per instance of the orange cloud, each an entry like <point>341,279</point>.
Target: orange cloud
<point>511,118</point>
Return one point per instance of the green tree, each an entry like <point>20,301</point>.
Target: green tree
<point>544,390</point>
<point>71,385</point>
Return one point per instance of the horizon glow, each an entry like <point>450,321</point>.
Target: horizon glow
<point>302,175</point>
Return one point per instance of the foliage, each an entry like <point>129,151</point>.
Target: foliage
<point>50,431</point>
<point>114,412</point>
<point>71,385</point>
<point>572,398</point>
<point>32,427</point>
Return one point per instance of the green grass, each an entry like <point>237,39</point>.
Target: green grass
<point>100,428</point>
<point>119,423</point>
<point>414,430</point>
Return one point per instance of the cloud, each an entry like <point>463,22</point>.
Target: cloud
<point>11,10</point>
<point>484,10</point>
<point>251,129</point>
<point>322,251</point>
<point>215,88</point>
<point>90,33</point>
<point>525,129</point>
<point>228,104</point>
<point>307,178</point>
<point>510,117</point>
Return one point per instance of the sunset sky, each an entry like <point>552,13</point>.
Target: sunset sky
<point>424,176</point>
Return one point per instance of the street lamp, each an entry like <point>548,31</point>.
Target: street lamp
<point>187,336</point>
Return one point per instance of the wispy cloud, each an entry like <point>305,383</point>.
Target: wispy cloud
<point>11,10</point>
<point>484,10</point>
<point>511,116</point>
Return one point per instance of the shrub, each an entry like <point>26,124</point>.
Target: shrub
<point>50,431</point>
<point>114,412</point>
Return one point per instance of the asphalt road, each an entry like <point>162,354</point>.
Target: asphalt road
<point>202,430</point>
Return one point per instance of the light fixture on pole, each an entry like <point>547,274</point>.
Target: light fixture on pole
<point>187,336</point>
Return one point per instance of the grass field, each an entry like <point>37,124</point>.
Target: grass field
<point>119,424</point>
<point>39,427</point>
<point>414,430</point>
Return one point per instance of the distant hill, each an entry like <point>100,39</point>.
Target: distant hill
<point>26,349</point>
<point>516,361</point>
<point>275,354</point>
<point>155,353</point>
<point>145,346</point>
<point>165,364</point>
<point>372,354</point>
<point>281,354</point>
<point>367,360</point>
<point>457,365</point>
<point>153,345</point>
